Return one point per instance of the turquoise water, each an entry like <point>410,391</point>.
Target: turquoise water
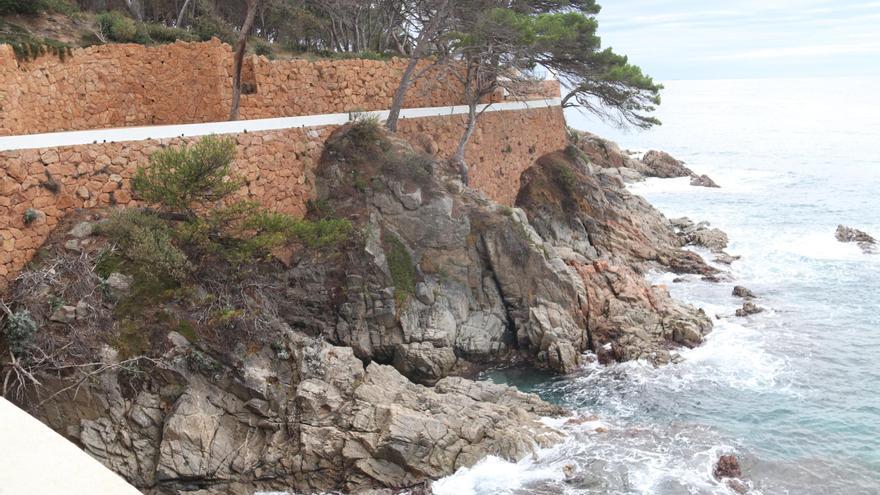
<point>794,392</point>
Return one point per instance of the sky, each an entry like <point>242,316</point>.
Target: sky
<point>736,39</point>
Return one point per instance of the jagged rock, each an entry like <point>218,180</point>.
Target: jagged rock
<point>82,230</point>
<point>703,181</point>
<point>740,291</point>
<point>64,314</point>
<point>749,308</point>
<point>602,231</point>
<point>605,154</point>
<point>848,234</point>
<point>699,234</point>
<point>663,165</point>
<point>725,258</point>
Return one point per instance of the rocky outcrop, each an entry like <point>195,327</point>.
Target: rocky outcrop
<point>611,160</point>
<point>605,235</point>
<point>663,165</point>
<point>700,234</point>
<point>304,415</point>
<point>867,243</point>
<point>342,368</point>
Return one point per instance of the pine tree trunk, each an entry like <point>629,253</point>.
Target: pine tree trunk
<point>400,94</point>
<point>240,48</point>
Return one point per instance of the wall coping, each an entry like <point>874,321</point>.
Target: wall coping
<point>36,459</point>
<point>123,134</point>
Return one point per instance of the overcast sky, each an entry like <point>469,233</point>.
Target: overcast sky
<point>709,39</point>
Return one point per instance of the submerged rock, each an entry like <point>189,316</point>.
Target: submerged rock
<point>867,243</point>
<point>740,291</point>
<point>727,467</point>
<point>749,308</point>
<point>703,181</point>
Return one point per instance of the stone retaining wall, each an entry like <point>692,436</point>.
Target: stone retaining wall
<point>278,167</point>
<point>125,85</point>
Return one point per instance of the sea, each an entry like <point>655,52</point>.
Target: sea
<point>793,392</point>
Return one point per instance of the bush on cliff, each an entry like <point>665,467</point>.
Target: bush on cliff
<point>182,179</point>
<point>193,217</point>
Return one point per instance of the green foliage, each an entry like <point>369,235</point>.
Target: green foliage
<point>19,331</point>
<point>207,26</point>
<point>147,243</point>
<point>160,33</point>
<point>402,268</point>
<point>27,7</point>
<point>179,179</point>
<point>31,7</point>
<point>27,47</point>
<point>30,216</point>
<point>264,49</point>
<point>203,363</point>
<point>185,328</point>
<point>117,26</point>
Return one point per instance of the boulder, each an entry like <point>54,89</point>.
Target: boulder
<point>727,466</point>
<point>82,230</point>
<point>663,165</point>
<point>119,285</point>
<point>740,291</point>
<point>749,308</point>
<point>64,314</point>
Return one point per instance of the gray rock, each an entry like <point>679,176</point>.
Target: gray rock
<point>749,308</point>
<point>73,245</point>
<point>82,310</point>
<point>82,230</point>
<point>703,181</point>
<point>740,291</point>
<point>662,164</point>
<point>867,243</point>
<point>118,284</point>
<point>64,314</point>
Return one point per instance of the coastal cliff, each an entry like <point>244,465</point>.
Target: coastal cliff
<point>348,367</point>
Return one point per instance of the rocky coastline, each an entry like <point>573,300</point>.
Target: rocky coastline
<point>347,369</point>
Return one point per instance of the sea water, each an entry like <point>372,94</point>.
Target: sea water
<point>793,392</point>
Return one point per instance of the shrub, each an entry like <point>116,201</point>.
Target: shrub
<point>19,331</point>
<point>400,264</point>
<point>178,179</point>
<point>117,26</point>
<point>264,49</point>
<point>146,241</point>
<point>206,27</point>
<point>160,33</point>
<point>26,46</point>
<point>21,7</point>
<point>30,216</point>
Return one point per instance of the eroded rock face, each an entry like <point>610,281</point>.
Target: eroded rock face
<point>477,288</point>
<point>305,416</point>
<point>604,234</point>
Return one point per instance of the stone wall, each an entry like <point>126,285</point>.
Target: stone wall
<point>113,86</point>
<point>278,167</point>
<point>180,83</point>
